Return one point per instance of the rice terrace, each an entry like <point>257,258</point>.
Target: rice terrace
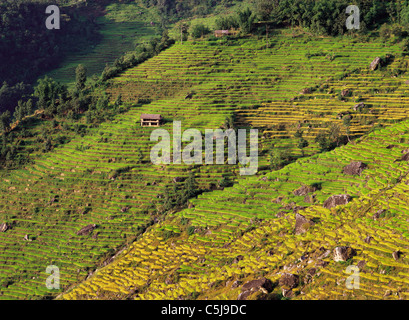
<point>204,150</point>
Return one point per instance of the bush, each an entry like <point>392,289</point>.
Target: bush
<point>191,230</point>
<point>199,30</point>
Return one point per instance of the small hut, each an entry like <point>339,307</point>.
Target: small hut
<point>151,120</point>
<point>222,33</point>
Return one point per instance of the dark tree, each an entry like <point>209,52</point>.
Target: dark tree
<point>80,77</point>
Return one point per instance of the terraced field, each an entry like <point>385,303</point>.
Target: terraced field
<point>254,236</point>
<point>106,177</point>
<point>121,27</point>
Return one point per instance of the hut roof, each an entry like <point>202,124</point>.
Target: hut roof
<point>151,116</point>
<point>222,31</point>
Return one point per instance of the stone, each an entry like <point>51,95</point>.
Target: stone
<point>378,213</point>
<point>4,227</point>
<point>361,264</point>
<point>355,168</point>
<point>368,239</point>
<point>86,230</point>
<point>325,254</point>
<point>302,224</point>
<point>289,281</point>
<point>343,253</point>
<point>255,285</point>
<point>287,293</point>
<point>344,93</point>
<point>310,198</point>
<point>396,255</point>
<point>405,157</point>
<point>177,179</point>
<point>306,91</point>
<point>304,190</point>
<point>236,284</point>
<point>375,63</point>
<point>337,200</point>
<point>358,106</point>
<point>244,295</point>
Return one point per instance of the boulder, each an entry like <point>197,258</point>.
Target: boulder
<point>358,106</point>
<point>405,157</point>
<point>86,230</point>
<point>337,200</point>
<point>177,179</point>
<point>355,168</point>
<point>343,253</point>
<point>368,239</point>
<point>310,198</point>
<point>378,213</point>
<point>4,227</point>
<point>304,190</point>
<point>306,91</point>
<point>396,255</point>
<point>244,295</point>
<point>289,281</point>
<point>302,224</point>
<point>361,264</point>
<point>375,63</point>
<point>255,285</point>
<point>344,93</point>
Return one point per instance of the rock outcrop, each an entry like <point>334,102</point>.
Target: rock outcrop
<point>375,64</point>
<point>264,285</point>
<point>3,227</point>
<point>86,230</point>
<point>358,106</point>
<point>343,253</point>
<point>355,168</point>
<point>304,190</point>
<point>287,282</point>
<point>337,200</point>
<point>302,224</point>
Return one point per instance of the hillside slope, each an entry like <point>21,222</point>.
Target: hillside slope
<point>255,235</point>
<point>106,178</point>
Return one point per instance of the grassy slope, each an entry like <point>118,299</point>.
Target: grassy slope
<point>226,79</point>
<point>203,264</point>
<point>154,267</point>
<point>122,27</point>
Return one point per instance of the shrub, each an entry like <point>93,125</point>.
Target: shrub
<point>199,30</point>
<point>191,230</point>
